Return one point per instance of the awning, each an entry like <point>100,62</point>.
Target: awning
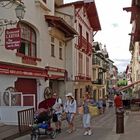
<point>128,86</point>
<point>22,70</point>
<point>61,24</point>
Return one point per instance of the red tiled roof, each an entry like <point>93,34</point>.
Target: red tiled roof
<point>91,12</point>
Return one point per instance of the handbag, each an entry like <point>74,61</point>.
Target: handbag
<point>64,115</point>
<point>54,118</point>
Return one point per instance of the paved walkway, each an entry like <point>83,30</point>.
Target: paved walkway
<point>7,131</point>
<point>104,128</point>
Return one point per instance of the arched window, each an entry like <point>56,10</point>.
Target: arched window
<point>28,41</point>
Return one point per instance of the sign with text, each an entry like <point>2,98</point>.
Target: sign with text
<point>12,38</point>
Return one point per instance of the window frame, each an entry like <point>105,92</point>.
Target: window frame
<point>29,39</point>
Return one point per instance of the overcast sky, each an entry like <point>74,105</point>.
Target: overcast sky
<point>115,24</point>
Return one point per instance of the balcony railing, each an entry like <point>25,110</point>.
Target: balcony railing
<point>84,45</point>
<point>98,81</point>
<point>81,77</point>
<point>96,61</point>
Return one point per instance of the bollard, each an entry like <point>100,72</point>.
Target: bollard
<point>119,122</point>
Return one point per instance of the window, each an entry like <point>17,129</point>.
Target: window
<point>87,66</point>
<point>60,43</point>
<point>94,74</point>
<point>52,46</point>
<point>80,30</point>
<point>80,63</point>
<point>52,39</point>
<point>52,50</point>
<point>87,38</point>
<point>28,41</point>
<point>81,93</point>
<point>60,53</point>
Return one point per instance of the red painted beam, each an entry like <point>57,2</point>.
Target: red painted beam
<point>133,9</point>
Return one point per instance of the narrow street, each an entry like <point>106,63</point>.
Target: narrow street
<point>102,126</point>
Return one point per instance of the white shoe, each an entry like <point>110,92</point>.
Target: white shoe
<point>89,132</point>
<point>85,133</point>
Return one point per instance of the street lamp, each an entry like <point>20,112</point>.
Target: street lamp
<point>20,11</point>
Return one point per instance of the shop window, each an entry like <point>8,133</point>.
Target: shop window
<point>28,41</point>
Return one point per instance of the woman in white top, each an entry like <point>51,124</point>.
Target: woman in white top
<point>57,112</point>
<point>70,110</point>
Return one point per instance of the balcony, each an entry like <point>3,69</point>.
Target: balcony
<point>96,61</point>
<point>84,45</point>
<point>98,81</point>
<point>81,77</point>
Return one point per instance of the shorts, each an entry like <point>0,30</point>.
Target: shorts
<point>57,117</point>
<point>70,117</point>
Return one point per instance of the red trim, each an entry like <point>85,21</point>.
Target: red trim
<point>56,76</point>
<point>82,78</point>
<point>91,12</point>
<point>15,69</point>
<point>49,68</point>
<point>84,45</point>
<point>28,59</point>
<point>53,76</point>
<point>81,19</point>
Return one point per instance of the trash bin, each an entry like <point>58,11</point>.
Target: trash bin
<point>119,122</point>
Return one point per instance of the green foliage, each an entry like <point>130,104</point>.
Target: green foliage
<point>122,82</point>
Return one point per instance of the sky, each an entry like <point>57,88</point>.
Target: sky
<point>115,27</point>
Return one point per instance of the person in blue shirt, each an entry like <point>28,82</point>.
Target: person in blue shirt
<point>100,106</point>
<point>86,115</point>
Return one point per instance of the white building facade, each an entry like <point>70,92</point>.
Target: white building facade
<point>84,18</point>
<point>28,72</point>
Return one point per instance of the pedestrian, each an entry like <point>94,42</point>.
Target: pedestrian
<point>57,112</point>
<point>104,105</point>
<point>70,109</point>
<point>100,106</point>
<point>118,102</point>
<point>86,115</point>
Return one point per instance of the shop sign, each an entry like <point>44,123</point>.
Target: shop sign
<point>12,38</point>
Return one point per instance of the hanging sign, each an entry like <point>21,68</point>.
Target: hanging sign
<point>12,38</point>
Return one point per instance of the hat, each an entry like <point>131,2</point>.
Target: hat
<point>70,94</point>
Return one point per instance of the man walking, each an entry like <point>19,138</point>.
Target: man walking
<point>118,102</point>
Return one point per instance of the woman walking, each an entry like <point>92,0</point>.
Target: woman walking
<point>86,115</point>
<point>70,110</point>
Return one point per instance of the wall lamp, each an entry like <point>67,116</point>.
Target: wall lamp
<point>19,10</point>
